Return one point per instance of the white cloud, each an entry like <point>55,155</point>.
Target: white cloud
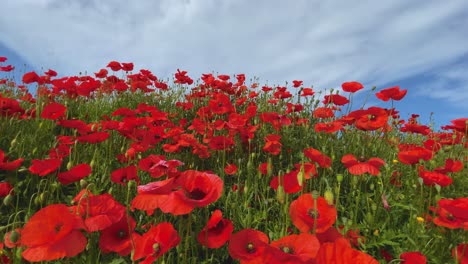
<point>323,43</point>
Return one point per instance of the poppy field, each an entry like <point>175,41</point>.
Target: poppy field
<point>121,166</point>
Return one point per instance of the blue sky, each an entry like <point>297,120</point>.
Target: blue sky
<point>421,46</point>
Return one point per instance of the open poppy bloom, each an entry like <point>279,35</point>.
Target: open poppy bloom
<point>341,252</point>
<point>308,214</point>
<point>53,111</point>
<point>217,231</point>
<point>118,237</point>
<point>359,167</point>
<point>9,165</point>
<point>452,213</point>
<point>413,258</point>
<point>53,233</point>
<point>351,87</point>
<point>154,243</point>
<point>44,167</point>
<point>294,249</point>
<point>248,246</point>
<point>393,93</point>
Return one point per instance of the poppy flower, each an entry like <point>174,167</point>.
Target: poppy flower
<point>52,233</point>
<point>370,119</point>
<point>74,174</point>
<point>452,213</point>
<point>5,189</point>
<point>123,175</point>
<point>351,87</point>
<point>297,84</point>
<point>9,165</point>
<point>93,138</point>
<point>315,155</point>
<point>13,238</point>
<point>44,167</point>
<point>273,144</point>
<point>114,65</point>
<point>413,258</point>
<point>329,127</point>
<point>127,66</point>
<point>99,211</point>
<point>308,213</point>
<point>358,167</point>
<point>217,231</point>
<point>3,59</point>
<point>155,242</point>
<point>158,166</point>
<point>182,78</point>
<point>195,189</point>
<point>460,125</point>
<point>411,154</point>
<point>288,181</point>
<point>461,253</point>
<point>152,195</point>
<point>221,143</point>
<point>307,92</point>
<point>335,99</point>
<point>7,68</point>
<point>393,93</point>
<point>31,77</point>
<point>323,112</point>
<point>248,246</point>
<point>431,178</point>
<point>450,166</point>
<point>230,169</point>
<point>295,249</point>
<point>118,237</point>
<point>341,252</point>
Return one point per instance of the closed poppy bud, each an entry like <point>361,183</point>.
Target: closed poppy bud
<point>8,200</point>
<point>280,194</point>
<point>328,195</point>
<point>14,236</point>
<point>339,177</point>
<point>83,183</point>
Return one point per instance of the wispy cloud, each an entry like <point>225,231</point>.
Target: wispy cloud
<point>321,42</point>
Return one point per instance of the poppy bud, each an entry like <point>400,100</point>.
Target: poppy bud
<point>14,236</point>
<point>315,194</point>
<point>13,143</point>
<point>83,183</point>
<point>91,164</point>
<point>329,197</point>
<point>280,194</point>
<point>69,165</point>
<point>339,177</point>
<point>8,200</point>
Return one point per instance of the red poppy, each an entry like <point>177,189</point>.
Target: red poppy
<point>323,112</point>
<point>411,154</point>
<point>273,144</point>
<point>44,167</point>
<point>335,99</point>
<point>297,84</point>
<point>307,213</point>
<point>330,235</point>
<point>118,237</point>
<point>416,128</point>
<point>248,246</point>
<point>452,213</point>
<point>152,195</point>
<point>5,189</point>
<point>288,181</point>
<point>352,87</point>
<point>154,243</point>
<point>123,175</point>
<point>195,189</point>
<point>114,65</point>
<point>307,92</point>
<point>315,155</point>
<point>74,174</point>
<point>7,68</point>
<point>295,249</point>
<point>431,178</point>
<point>460,253</point>
<point>127,66</point>
<point>370,119</point>
<point>31,77</point>
<point>460,125</point>
<point>217,231</point>
<point>450,166</point>
<point>93,138</point>
<point>341,252</point>
<point>393,93</point>
<point>3,59</point>
<point>329,127</point>
<point>9,165</point>
<point>158,166</point>
<point>221,143</point>
<point>13,238</point>
<point>182,78</point>
<point>358,167</point>
<point>52,233</point>
<point>230,169</point>
<point>413,258</point>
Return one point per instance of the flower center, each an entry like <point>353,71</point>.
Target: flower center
<point>312,212</point>
<point>250,248</point>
